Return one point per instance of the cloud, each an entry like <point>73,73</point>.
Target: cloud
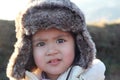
<point>99,9</point>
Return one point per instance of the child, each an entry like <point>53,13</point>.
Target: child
<point>53,44</point>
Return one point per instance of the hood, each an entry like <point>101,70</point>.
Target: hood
<point>45,14</point>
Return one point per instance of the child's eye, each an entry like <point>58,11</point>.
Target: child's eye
<point>40,44</point>
<point>60,41</point>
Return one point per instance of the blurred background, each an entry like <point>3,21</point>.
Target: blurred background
<point>103,22</point>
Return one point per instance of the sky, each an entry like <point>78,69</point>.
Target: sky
<point>94,10</point>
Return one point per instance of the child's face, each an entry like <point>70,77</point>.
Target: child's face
<point>53,51</point>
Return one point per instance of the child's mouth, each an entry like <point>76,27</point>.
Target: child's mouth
<point>54,62</point>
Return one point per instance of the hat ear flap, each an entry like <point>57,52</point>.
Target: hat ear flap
<point>86,48</point>
<point>19,59</point>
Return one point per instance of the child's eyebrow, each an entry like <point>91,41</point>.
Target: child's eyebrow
<point>38,39</point>
<point>56,37</point>
<point>63,35</point>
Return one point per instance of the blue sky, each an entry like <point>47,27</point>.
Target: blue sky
<point>94,10</point>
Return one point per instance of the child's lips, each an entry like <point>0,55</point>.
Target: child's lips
<point>54,62</point>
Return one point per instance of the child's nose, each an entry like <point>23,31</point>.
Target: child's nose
<point>52,50</point>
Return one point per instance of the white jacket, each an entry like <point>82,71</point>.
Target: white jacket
<point>95,72</point>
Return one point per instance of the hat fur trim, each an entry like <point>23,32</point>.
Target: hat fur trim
<point>45,14</point>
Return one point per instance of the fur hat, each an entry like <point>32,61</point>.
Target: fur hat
<point>44,14</point>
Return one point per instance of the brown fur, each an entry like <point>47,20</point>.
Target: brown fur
<point>60,14</point>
